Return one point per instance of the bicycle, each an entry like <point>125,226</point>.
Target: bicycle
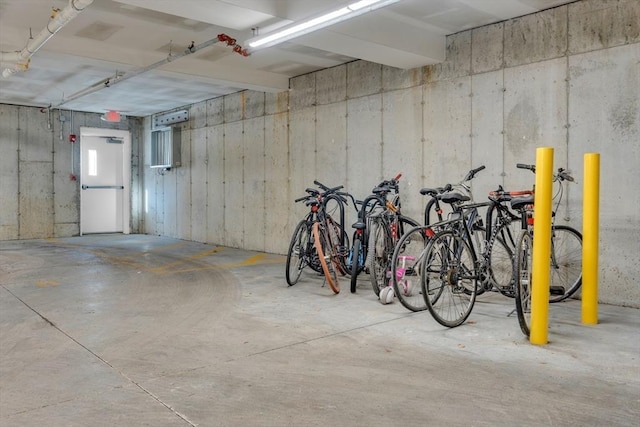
<point>358,258</point>
<point>302,250</point>
<point>330,239</point>
<point>414,242</point>
<point>565,254</point>
<point>386,227</point>
<point>313,244</point>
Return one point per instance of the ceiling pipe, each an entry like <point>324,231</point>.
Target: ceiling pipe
<point>119,78</point>
<point>59,18</point>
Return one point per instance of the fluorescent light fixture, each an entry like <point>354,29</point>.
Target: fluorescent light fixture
<point>315,23</point>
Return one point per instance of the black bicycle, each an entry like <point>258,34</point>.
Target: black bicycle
<point>565,261</point>
<point>302,251</point>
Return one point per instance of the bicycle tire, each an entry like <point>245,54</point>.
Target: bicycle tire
<point>297,253</point>
<point>450,278</point>
<point>522,278</point>
<point>566,262</point>
<point>341,254</point>
<point>381,248</point>
<point>413,243</point>
<point>501,267</point>
<point>379,242</point>
<point>355,263</point>
<point>323,247</point>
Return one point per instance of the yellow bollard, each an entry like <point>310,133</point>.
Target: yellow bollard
<point>541,246</point>
<point>590,232</point>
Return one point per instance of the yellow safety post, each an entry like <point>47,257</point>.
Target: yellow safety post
<point>541,246</point>
<point>590,232</point>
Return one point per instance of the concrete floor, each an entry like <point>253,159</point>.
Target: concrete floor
<point>145,330</point>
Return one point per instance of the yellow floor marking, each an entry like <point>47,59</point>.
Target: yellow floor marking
<point>186,259</point>
<point>168,247</point>
<point>47,283</point>
<point>255,260</point>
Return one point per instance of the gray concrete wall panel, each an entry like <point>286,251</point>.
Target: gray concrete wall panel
<point>36,199</point>
<point>535,115</point>
<point>35,136</point>
<point>487,142</point>
<point>183,187</point>
<point>363,78</point>
<point>536,37</point>
<point>65,189</point>
<point>599,24</point>
<point>402,145</point>
<point>487,53</point>
<point>331,85</point>
<point>276,103</point>
<point>331,144</point>
<point>364,144</point>
<point>278,200</point>
<point>215,185</point>
<point>198,115</point>
<point>234,107</point>
<point>215,111</point>
<point>457,63</point>
<point>604,109</point>
<point>150,203</point>
<point>254,104</point>
<point>9,172</point>
<point>303,92</point>
<point>172,213</point>
<point>397,78</point>
<point>233,190</point>
<point>302,155</point>
<point>254,184</point>
<point>199,160</point>
<point>447,122</point>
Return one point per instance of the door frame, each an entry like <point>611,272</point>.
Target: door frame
<point>126,170</point>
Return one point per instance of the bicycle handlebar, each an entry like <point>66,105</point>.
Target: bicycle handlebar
<point>562,174</point>
<point>327,189</point>
<point>472,173</point>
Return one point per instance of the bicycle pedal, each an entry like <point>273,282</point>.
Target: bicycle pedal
<point>556,290</point>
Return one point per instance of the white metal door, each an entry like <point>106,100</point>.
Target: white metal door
<point>104,197</point>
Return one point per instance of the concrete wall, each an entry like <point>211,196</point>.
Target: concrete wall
<point>38,197</point>
<point>567,78</point>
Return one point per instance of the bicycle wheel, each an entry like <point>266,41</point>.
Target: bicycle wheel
<point>297,253</point>
<point>501,267</point>
<point>407,283</point>
<point>449,279</point>
<point>341,252</point>
<point>382,242</point>
<point>379,254</point>
<point>565,277</point>
<point>324,249</point>
<point>355,263</point>
<point>522,276</point>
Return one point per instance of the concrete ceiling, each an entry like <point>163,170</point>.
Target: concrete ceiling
<point>112,38</point>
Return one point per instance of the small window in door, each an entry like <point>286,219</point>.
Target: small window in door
<point>92,162</point>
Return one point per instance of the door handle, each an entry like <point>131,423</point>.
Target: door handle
<point>115,187</point>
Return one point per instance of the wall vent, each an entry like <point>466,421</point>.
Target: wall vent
<point>168,119</point>
<point>165,148</point>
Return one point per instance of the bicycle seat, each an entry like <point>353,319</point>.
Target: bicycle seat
<point>519,203</point>
<point>380,190</point>
<point>431,191</point>
<point>312,202</point>
<point>454,197</point>
<point>359,225</point>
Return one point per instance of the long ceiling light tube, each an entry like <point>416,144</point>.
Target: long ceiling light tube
<point>318,22</point>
